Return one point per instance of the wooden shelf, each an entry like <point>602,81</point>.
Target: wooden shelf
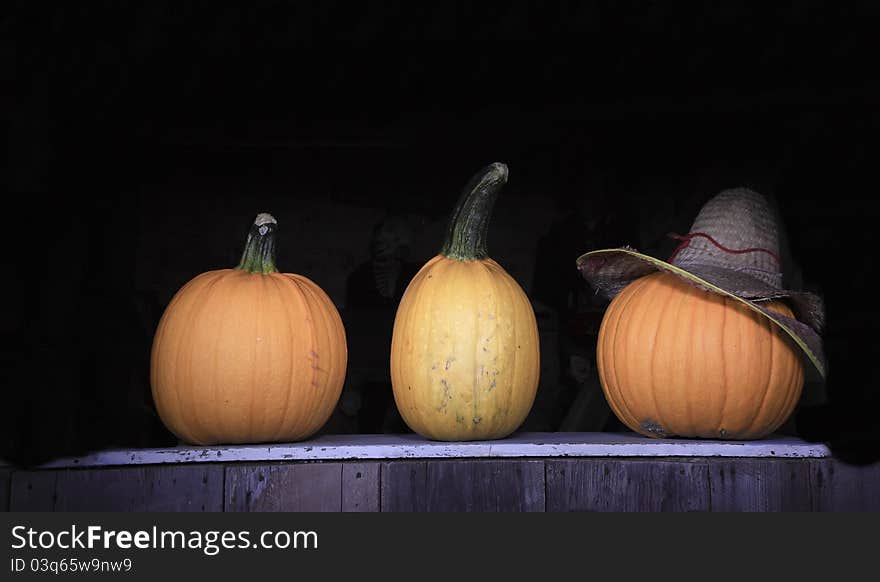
<point>525,472</point>
<point>388,447</point>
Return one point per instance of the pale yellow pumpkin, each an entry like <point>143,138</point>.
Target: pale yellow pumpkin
<point>675,360</point>
<point>465,356</point>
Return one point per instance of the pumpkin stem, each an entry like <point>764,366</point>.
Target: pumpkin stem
<point>466,235</point>
<point>259,250</point>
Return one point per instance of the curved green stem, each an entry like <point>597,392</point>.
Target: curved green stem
<point>259,250</point>
<point>466,235</point>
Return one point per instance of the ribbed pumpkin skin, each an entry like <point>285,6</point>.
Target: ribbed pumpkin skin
<point>675,360</point>
<point>243,357</point>
<point>465,355</point>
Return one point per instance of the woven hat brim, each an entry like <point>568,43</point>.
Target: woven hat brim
<point>610,270</point>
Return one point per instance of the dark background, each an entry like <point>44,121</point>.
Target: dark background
<point>143,137</point>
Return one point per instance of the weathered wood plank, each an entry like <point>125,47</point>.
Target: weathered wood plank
<point>5,486</point>
<point>360,487</point>
<point>627,485</point>
<point>404,486</point>
<point>293,487</point>
<point>182,488</point>
<point>179,488</point>
<point>584,484</point>
<point>840,486</point>
<point>760,485</point>
<point>33,490</point>
<point>485,486</point>
<point>384,447</point>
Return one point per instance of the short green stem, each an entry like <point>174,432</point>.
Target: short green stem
<point>259,250</point>
<point>469,224</point>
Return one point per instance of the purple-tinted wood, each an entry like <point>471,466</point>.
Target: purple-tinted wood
<point>627,485</point>
<point>404,486</point>
<point>553,484</point>
<point>841,486</point>
<point>188,488</point>
<point>360,487</point>
<point>761,485</point>
<point>293,487</point>
<point>506,486</point>
<point>33,490</point>
<point>181,488</point>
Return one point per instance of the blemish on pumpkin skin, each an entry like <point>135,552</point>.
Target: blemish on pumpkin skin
<point>653,427</point>
<point>446,396</point>
<point>449,361</point>
<point>477,419</point>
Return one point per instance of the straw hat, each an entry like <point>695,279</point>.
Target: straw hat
<point>731,249</point>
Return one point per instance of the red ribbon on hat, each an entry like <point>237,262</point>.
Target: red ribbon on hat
<point>686,239</point>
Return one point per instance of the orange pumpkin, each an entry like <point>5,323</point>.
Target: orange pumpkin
<point>675,360</point>
<point>249,354</point>
<point>464,352</point>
